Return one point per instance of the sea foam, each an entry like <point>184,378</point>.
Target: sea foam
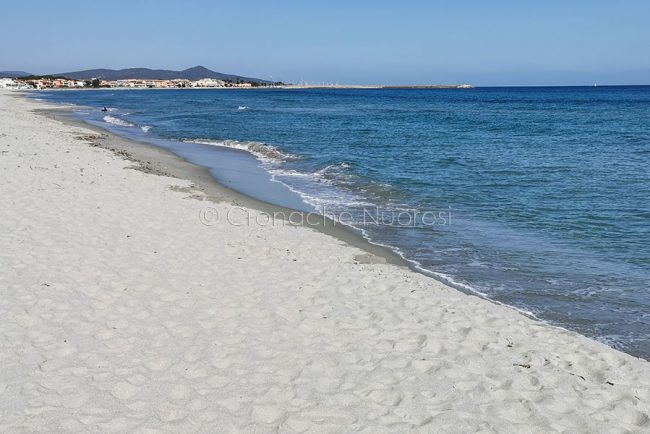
<point>117,121</point>
<point>265,153</point>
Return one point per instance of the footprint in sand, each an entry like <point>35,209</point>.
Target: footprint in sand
<point>179,393</point>
<point>124,390</point>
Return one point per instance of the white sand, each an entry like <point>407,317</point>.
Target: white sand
<point>120,311</point>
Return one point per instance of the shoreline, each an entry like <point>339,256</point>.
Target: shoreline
<point>122,312</point>
<point>161,161</point>
<point>167,163</point>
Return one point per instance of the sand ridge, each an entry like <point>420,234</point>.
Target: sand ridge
<point>122,312</point>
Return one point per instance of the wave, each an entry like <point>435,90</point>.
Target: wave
<point>326,175</point>
<point>333,176</point>
<point>339,171</point>
<point>326,202</point>
<point>337,185</point>
<point>243,107</point>
<point>117,121</point>
<point>265,153</point>
<point>145,128</point>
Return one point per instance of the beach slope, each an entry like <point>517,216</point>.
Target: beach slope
<point>122,311</point>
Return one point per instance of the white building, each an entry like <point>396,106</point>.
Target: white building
<point>208,82</point>
<point>7,82</point>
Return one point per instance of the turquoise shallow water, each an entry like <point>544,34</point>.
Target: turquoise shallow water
<point>548,188</point>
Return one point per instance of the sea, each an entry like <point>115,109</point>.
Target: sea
<point>534,197</point>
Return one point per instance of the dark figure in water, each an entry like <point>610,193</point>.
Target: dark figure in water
<point>104,109</point>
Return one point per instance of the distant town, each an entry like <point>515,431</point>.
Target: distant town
<point>46,82</point>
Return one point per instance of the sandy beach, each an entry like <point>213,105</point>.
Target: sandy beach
<point>123,312</point>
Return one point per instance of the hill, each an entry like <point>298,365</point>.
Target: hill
<point>195,73</point>
<point>14,74</point>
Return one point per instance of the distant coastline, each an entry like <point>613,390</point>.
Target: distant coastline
<point>197,77</point>
<point>60,83</point>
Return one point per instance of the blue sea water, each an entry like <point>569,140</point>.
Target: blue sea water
<point>548,188</point>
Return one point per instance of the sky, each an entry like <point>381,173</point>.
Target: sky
<point>485,43</point>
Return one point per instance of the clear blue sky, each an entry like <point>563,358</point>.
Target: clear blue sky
<point>409,42</point>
